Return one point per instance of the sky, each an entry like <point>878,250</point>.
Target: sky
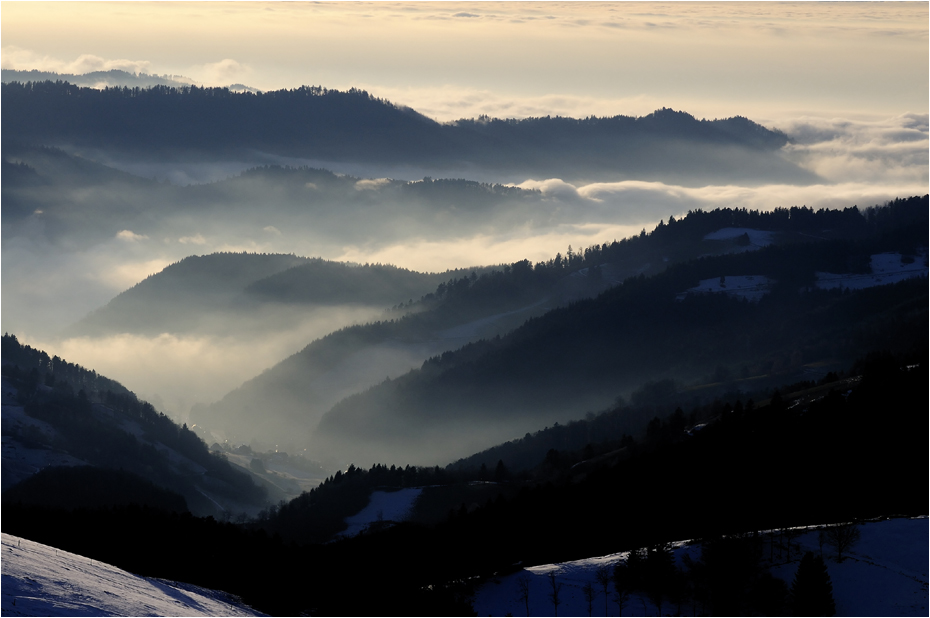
<point>767,61</point>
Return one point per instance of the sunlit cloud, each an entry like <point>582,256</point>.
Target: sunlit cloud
<point>130,236</point>
<point>844,150</point>
<point>555,187</point>
<point>196,239</point>
<point>223,72</point>
<point>123,275</point>
<point>487,249</point>
<point>372,184</point>
<point>17,58</point>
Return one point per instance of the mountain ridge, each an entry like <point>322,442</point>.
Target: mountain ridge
<point>318,123</point>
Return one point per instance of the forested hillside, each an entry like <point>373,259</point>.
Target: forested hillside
<point>574,369</point>
<point>837,450</point>
<point>121,444</point>
<point>330,125</point>
<point>225,292</point>
<point>579,358</point>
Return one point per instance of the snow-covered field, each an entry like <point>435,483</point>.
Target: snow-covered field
<point>886,268</point>
<point>42,581</point>
<point>383,506</point>
<point>751,287</point>
<point>884,575</point>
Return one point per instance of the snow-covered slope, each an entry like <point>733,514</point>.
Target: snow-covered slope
<point>886,268</point>
<point>20,458</point>
<point>884,575</point>
<point>39,580</point>
<point>384,506</point>
<point>750,287</point>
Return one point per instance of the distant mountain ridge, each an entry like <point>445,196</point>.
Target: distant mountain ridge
<point>336,210</point>
<point>318,123</point>
<point>193,294</point>
<point>100,79</point>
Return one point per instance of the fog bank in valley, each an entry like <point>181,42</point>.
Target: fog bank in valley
<point>76,233</point>
<point>176,371</point>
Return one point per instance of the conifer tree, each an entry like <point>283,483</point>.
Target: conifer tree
<point>812,590</point>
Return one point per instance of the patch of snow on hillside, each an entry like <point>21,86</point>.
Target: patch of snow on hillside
<point>750,287</point>
<point>39,580</point>
<point>885,268</point>
<point>21,435</point>
<point>757,238</point>
<point>885,575</point>
<point>383,506</point>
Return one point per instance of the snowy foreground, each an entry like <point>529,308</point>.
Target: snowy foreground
<point>884,575</point>
<point>41,581</point>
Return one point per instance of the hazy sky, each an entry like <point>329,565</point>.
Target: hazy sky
<point>450,59</point>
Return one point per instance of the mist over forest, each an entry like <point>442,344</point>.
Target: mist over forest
<point>246,317</point>
<point>89,212</point>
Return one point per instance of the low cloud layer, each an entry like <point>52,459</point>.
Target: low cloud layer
<point>223,72</point>
<point>48,285</point>
<point>175,372</point>
<point>604,212</point>
<point>21,59</point>
<point>885,151</point>
<point>863,161</point>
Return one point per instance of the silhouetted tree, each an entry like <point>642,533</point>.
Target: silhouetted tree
<point>554,594</point>
<point>523,586</point>
<point>842,537</point>
<point>603,575</point>
<point>812,591</point>
<point>588,590</point>
<point>500,472</point>
<point>659,574</point>
<point>624,579</point>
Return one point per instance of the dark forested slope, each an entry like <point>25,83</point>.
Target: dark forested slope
<point>580,357</point>
<point>764,468</point>
<point>54,406</point>
<point>225,291</point>
<point>290,397</point>
<point>329,125</point>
